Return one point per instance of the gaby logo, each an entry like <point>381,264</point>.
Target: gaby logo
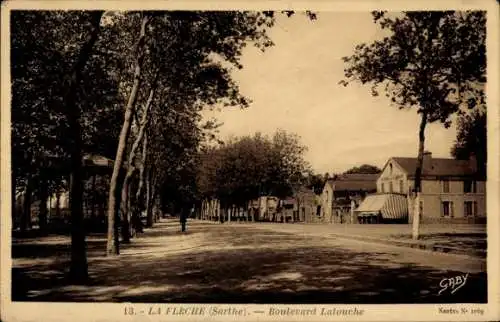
<point>453,284</point>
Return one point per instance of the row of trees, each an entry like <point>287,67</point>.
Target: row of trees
<point>131,86</point>
<point>247,167</point>
<point>126,85</point>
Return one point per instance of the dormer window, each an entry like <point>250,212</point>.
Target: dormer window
<point>390,168</point>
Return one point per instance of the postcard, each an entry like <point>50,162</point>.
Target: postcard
<point>250,161</point>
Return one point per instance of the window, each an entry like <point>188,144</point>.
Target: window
<point>447,209</point>
<point>390,186</point>
<point>469,186</point>
<point>390,168</point>
<point>470,208</point>
<point>445,186</point>
<point>401,186</point>
<point>382,187</point>
<point>421,206</point>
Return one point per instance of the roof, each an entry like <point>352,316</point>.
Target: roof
<point>97,161</point>
<point>437,167</point>
<point>355,182</point>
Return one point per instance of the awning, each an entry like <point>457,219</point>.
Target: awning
<point>391,206</point>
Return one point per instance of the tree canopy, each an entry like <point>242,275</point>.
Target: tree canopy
<point>129,86</point>
<point>364,169</point>
<point>247,167</point>
<point>432,61</point>
<point>472,139</point>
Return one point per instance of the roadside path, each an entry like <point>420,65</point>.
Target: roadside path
<point>242,263</point>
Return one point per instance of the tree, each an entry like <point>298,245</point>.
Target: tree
<point>34,125</point>
<point>471,139</point>
<point>78,269</point>
<point>247,167</point>
<point>51,50</point>
<point>364,169</point>
<point>315,182</point>
<point>113,244</point>
<point>201,44</point>
<point>431,61</point>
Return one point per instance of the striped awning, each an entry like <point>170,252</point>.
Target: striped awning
<point>391,206</point>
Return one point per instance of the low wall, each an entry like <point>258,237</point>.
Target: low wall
<point>463,220</point>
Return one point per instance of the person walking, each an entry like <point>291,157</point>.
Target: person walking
<point>183,219</point>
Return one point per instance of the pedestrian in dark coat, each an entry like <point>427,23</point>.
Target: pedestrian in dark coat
<point>183,219</point>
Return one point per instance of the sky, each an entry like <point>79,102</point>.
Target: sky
<point>294,86</point>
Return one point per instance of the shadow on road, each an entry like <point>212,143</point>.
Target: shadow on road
<point>235,265</point>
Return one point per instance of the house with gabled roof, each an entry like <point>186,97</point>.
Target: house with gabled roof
<point>451,190</point>
<point>339,193</point>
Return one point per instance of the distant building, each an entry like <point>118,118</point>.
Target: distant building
<point>451,190</point>
<point>302,207</point>
<point>307,205</point>
<point>96,175</point>
<point>288,210</point>
<point>264,208</point>
<point>340,191</point>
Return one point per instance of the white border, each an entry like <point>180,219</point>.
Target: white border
<point>19,311</point>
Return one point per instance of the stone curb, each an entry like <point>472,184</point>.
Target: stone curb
<point>429,246</point>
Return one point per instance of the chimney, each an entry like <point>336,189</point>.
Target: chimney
<point>427,162</point>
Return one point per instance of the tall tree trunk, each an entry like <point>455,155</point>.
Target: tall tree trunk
<point>58,205</point>
<point>140,185</point>
<point>149,212</point>
<point>151,200</point>
<point>418,177</point>
<point>14,212</point>
<point>94,197</point>
<point>112,247</point>
<point>125,205</point>
<point>128,214</point>
<point>44,196</point>
<point>142,169</point>
<point>26,214</point>
<point>78,267</point>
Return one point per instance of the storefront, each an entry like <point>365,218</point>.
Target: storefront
<point>383,208</point>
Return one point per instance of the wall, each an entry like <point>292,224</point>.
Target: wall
<point>326,203</point>
<point>392,173</point>
<point>433,197</point>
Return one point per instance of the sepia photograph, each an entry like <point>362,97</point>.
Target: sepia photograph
<point>285,158</point>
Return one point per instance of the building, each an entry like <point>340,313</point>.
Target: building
<point>343,191</point>
<point>96,171</point>
<point>264,208</point>
<point>288,210</point>
<point>307,205</point>
<point>451,190</point>
<point>302,207</point>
